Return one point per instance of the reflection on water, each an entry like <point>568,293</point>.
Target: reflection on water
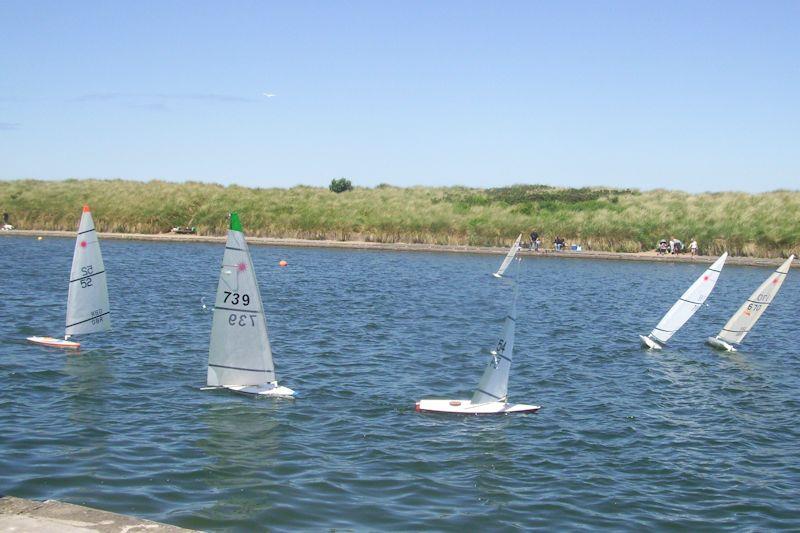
<point>240,438</point>
<point>84,393</point>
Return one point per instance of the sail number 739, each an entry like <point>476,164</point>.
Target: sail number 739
<point>242,320</point>
<point>234,298</point>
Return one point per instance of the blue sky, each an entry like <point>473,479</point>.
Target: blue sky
<point>684,95</point>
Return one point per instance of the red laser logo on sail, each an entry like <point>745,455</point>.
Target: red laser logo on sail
<point>242,267</point>
<point>83,244</point>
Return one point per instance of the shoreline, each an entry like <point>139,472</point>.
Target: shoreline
<point>410,247</point>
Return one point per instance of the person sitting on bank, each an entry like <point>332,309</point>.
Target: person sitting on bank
<point>559,244</point>
<point>535,241</point>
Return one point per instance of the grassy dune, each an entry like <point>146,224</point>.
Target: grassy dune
<point>766,225</point>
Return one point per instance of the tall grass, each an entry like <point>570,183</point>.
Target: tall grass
<point>627,220</point>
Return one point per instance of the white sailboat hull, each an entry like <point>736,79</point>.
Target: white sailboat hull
<point>265,390</point>
<point>465,407</point>
<point>495,274</point>
<point>720,344</point>
<point>650,344</point>
<point>55,343</point>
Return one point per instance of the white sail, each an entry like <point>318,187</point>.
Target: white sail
<point>87,301</point>
<point>493,386</point>
<point>689,302</point>
<point>509,257</point>
<point>239,353</point>
<point>751,310</point>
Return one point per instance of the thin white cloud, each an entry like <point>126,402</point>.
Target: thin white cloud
<point>159,98</point>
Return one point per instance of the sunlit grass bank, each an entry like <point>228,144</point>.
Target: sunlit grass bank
<point>766,225</point>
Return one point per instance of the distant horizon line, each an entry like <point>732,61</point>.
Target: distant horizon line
<point>388,185</point>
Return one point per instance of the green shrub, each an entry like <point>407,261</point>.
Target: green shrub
<point>340,185</point>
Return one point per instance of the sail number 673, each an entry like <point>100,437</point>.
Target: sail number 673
<point>242,320</point>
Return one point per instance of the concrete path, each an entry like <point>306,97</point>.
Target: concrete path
<point>50,516</point>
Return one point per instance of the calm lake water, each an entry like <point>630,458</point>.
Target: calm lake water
<point>625,439</point>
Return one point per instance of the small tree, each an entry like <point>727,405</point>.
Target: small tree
<point>340,185</point>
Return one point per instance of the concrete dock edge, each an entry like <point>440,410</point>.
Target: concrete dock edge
<point>51,516</point>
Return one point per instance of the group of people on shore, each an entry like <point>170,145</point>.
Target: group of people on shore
<point>671,246</point>
<point>675,246</point>
<point>536,243</point>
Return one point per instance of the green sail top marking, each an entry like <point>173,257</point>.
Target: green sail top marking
<point>236,224</point>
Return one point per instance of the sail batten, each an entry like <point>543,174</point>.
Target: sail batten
<point>88,310</point>
<point>509,257</point>
<point>239,352</point>
<point>743,320</point>
<point>689,302</point>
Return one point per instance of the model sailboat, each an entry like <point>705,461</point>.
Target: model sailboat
<point>685,307</point>
<point>87,299</point>
<point>509,257</point>
<point>491,395</point>
<point>751,310</point>
<point>240,357</point>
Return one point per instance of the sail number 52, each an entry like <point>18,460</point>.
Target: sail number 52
<point>242,320</point>
<point>87,280</point>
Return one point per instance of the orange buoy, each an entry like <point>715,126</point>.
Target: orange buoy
<point>282,263</point>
